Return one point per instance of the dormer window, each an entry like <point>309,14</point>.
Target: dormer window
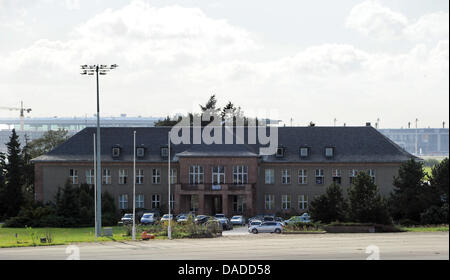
<point>304,152</point>
<point>140,152</point>
<point>329,152</point>
<point>280,152</point>
<point>164,152</point>
<point>116,152</point>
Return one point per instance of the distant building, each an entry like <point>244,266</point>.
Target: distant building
<point>36,127</point>
<point>222,178</point>
<point>421,141</point>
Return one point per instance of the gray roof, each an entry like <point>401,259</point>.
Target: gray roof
<point>351,144</point>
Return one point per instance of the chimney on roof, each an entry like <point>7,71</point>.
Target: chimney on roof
<point>368,124</point>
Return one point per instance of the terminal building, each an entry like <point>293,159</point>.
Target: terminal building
<point>221,178</point>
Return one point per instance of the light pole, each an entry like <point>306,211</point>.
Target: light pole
<point>102,70</point>
<point>169,228</point>
<point>134,187</point>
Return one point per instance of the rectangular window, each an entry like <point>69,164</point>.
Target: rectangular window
<point>73,175</point>
<point>155,201</point>
<point>302,177</point>
<point>304,152</point>
<point>123,176</point>
<point>269,201</point>
<point>156,176</point>
<point>194,203</point>
<point>106,176</point>
<point>195,174</point>
<point>371,173</point>
<point>140,201</point>
<point>285,176</point>
<point>270,176</point>
<point>239,204</point>
<point>352,174</point>
<point>123,201</point>
<point>172,201</point>
<point>116,152</point>
<point>302,202</point>
<point>285,202</point>
<point>139,176</point>
<point>164,152</point>
<point>173,176</point>
<point>336,174</point>
<point>319,177</point>
<point>240,174</point>
<point>218,175</point>
<point>90,180</point>
<point>140,152</point>
<point>280,152</point>
<point>329,152</point>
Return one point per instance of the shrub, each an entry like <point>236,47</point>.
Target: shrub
<point>435,215</point>
<point>330,206</point>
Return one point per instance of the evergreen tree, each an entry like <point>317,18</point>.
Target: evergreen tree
<point>408,198</point>
<point>12,196</point>
<point>440,180</point>
<point>365,203</point>
<point>329,207</point>
<point>2,184</point>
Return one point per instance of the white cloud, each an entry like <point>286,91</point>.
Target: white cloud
<point>374,20</point>
<point>379,22</point>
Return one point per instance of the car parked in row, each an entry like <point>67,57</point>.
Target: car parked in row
<point>270,227</point>
<point>224,221</point>
<point>238,220</point>
<point>304,218</point>
<point>166,217</point>
<point>148,218</point>
<point>127,219</point>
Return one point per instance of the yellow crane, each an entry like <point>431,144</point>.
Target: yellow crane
<point>22,111</point>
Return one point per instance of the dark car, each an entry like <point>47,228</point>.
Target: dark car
<point>201,219</point>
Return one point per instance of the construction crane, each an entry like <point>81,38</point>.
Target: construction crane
<point>22,111</point>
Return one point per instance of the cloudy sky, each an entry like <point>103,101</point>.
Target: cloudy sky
<point>353,60</point>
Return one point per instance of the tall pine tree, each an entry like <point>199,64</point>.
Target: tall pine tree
<point>11,198</point>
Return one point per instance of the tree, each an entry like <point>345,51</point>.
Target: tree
<point>366,205</point>
<point>329,207</point>
<point>2,184</point>
<point>12,196</point>
<point>408,198</point>
<point>47,142</point>
<point>439,179</point>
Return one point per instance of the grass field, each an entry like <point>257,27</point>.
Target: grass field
<point>426,228</point>
<point>60,236</point>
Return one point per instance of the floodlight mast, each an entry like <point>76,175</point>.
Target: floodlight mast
<point>102,70</point>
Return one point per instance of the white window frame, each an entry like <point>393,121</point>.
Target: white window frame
<point>302,176</point>
<point>196,174</point>
<point>123,176</point>
<point>304,152</point>
<point>320,174</point>
<point>329,152</point>
<point>123,201</point>
<point>269,201</point>
<point>139,176</point>
<point>116,152</point>
<point>73,175</point>
<point>90,178</point>
<point>269,176</point>
<point>172,201</point>
<point>336,173</point>
<point>238,204</point>
<point>240,175</point>
<point>285,176</point>
<point>352,174</point>
<point>218,174</point>
<point>302,202</point>
<point>286,201</point>
<point>106,176</point>
<point>156,176</point>
<point>140,152</point>
<point>173,175</point>
<point>140,201</point>
<point>372,174</point>
<point>156,201</point>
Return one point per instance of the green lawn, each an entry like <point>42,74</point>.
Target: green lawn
<point>426,228</point>
<point>60,236</point>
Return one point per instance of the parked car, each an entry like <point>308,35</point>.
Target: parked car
<point>127,219</point>
<point>166,217</point>
<point>304,218</point>
<point>226,224</point>
<point>254,223</point>
<point>271,227</point>
<point>280,220</point>
<point>148,218</point>
<point>238,220</point>
<point>269,219</point>
<point>201,219</point>
<point>256,218</point>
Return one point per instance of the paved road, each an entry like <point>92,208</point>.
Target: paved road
<point>260,246</point>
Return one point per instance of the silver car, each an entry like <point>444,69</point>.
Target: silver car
<point>237,220</point>
<point>271,227</point>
